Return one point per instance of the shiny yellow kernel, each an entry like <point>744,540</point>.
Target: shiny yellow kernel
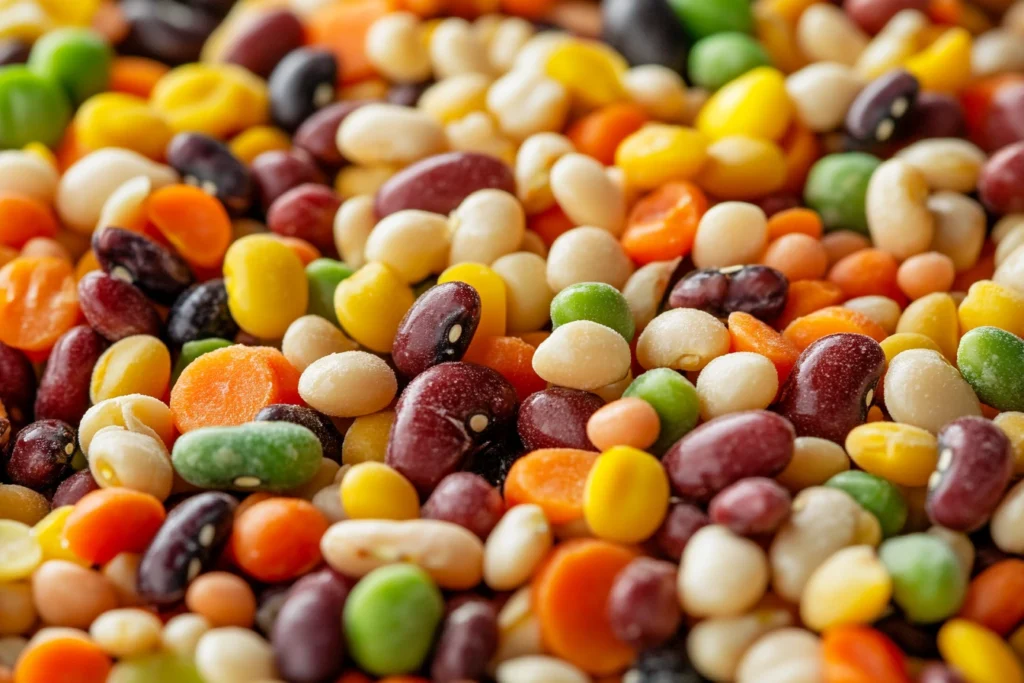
<point>741,167</point>
<point>755,104</point>
<point>266,285</point>
<point>590,71</point>
<point>251,143</point>
<point>20,552</point>
<point>934,316</point>
<point>49,533</point>
<point>114,119</point>
<point>979,654</point>
<point>372,490</point>
<point>371,304</point>
<point>659,153</point>
<point>367,439</point>
<point>850,587</point>
<point>140,364</point>
<point>901,453</point>
<point>895,344</point>
<point>626,495</point>
<point>991,304</point>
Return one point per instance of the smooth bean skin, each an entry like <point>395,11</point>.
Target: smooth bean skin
<point>757,290</point>
<point>278,171</point>
<point>468,500</point>
<point>115,308</point>
<point>265,41</point>
<point>929,583</point>
<point>18,389</point>
<point>721,574</point>
<point>316,422</point>
<point>468,640</point>
<point>201,312</point>
<point>645,32</point>
<point>166,31</point>
<point>990,359</point>
<point>440,183</point>
<point>74,488</point>
<point>681,522</point>
<point>210,165</point>
<point>557,418</point>
<point>595,301</point>
<point>301,84</point>
<point>1000,181</point>
<point>307,633</point>
<point>837,187</point>
<point>917,373</point>
<point>41,454</point>
<point>307,212</point>
<point>643,606</point>
<point>756,505</point>
<point>438,328</point>
<point>64,386</point>
<point>157,272</point>
<point>877,112</point>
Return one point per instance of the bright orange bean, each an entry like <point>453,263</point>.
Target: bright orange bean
<point>38,302</point>
<point>993,597</point>
<point>858,654</point>
<point>599,133</point>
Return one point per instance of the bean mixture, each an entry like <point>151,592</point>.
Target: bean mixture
<point>511,341</point>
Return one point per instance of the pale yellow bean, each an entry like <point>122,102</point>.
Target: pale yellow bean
<point>881,309</point>
<point>582,355</point>
<point>960,225</point>
<point>534,160</point>
<point>135,412</point>
<point>645,290</point>
<point>947,163</point>
<point>730,234</point>
<point>453,98</point>
<point>120,458</point>
<point>509,37</point>
<point>736,382</point>
<point>395,48</point>
<point>27,174</point>
<point>661,92</point>
<point>814,462</point>
<point>721,574</point>
<point>825,33</point>
<point>924,390</point>
<point>389,134</point>
<point>455,49</point>
<point>487,225</point>
<point>682,339</point>
<point>822,93</point>
<point>516,547</point>
<point>181,633</point>
<point>586,194</point>
<point>897,210</point>
<point>477,132</point>
<point>352,226</point>
<point>311,338</point>
<point>126,632</point>
<point>539,669</point>
<point>234,655</point>
<point>413,243</point>
<point>587,254</point>
<point>348,384</point>
<point>527,294</point>
<point>716,645</point>
<point>788,655</point>
<point>527,102</point>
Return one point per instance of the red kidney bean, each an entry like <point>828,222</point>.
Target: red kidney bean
<point>406,94</point>
<point>446,415</point>
<point>307,634</point>
<point>158,272</point>
<point>307,212</point>
<point>318,134</point>
<point>1001,184</point>
<point>495,460</point>
<point>753,443</point>
<point>275,172</point>
<point>14,51</point>
<point>74,488</point>
<point>187,544</point>
<point>300,85</point>
<point>751,506</point>
<point>873,15</point>
<point>208,164</point>
<point>265,41</point>
<point>643,608</point>
<point>468,500</point>
<point>316,422</point>
<point>115,308</point>
<point>468,640</point>
<point>758,290</point>
<point>975,466</point>
<point>201,312</point>
<point>438,328</point>
<point>939,673</point>
<point>557,418</point>
<point>440,183</point>
<point>682,521</point>
<point>832,386</point>
<point>64,388</point>
<point>42,454</point>
<point>165,30</point>
<point>878,111</point>
<point>17,385</point>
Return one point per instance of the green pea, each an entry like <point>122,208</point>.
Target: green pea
<point>928,581</point>
<point>703,18</point>
<point>595,301</point>
<point>154,668</point>
<point>390,618</point>
<point>876,495</point>
<point>32,108</point>
<point>837,188</point>
<point>673,398</point>
<point>78,59</point>
<point>257,456</point>
<point>992,361</point>
<point>193,349</point>
<point>323,276</point>
<point>718,59</point>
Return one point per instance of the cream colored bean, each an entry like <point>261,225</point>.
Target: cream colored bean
<point>582,355</point>
<point>233,655</point>
<point>352,226</point>
<point>959,228</point>
<point>135,412</point>
<point>507,40</point>
<point>922,389</point>
<point>389,134</point>
<point>789,655</point>
<point>814,462</point>
<point>477,132</point>
<point>618,178</point>
<point>825,33</point>
<point>348,384</point>
<point>121,458</point>
<point>182,633</point>
<point>1010,272</point>
<point>534,243</point>
<point>897,210</point>
<point>126,206</point>
<point>533,55</point>
<point>1007,523</point>
<point>539,669</point>
<point>518,630</point>
<point>527,294</point>
<point>126,632</point>
<point>1009,244</point>
<point>516,547</point>
<point>487,225</point>
<point>587,254</point>
<point>453,556</point>
<point>27,174</point>
<point>328,501</point>
<point>997,51</point>
<point>85,187</point>
<point>123,574</point>
<point>730,234</point>
<point>716,645</point>
<point>534,160</point>
<point>455,49</point>
<point>682,339</point>
<point>587,195</point>
<point>881,309</point>
<point>721,574</point>
<point>946,163</point>
<point>311,338</point>
<point>414,243</point>
<point>735,382</point>
<point>851,587</point>
<point>526,103</point>
<point>895,43</point>
<point>660,91</point>
<point>453,98</point>
<point>823,520</point>
<point>960,543</point>
<point>354,181</point>
<point>645,290</point>
<point>395,48</point>
<point>822,93</point>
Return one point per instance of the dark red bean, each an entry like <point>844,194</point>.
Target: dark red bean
<point>115,308</point>
<point>468,500</point>
<point>17,385</point>
<point>682,521</point>
<point>207,163</point>
<point>753,443</point>
<point>74,488</point>
<point>832,386</point>
<point>318,134</point>
<point>265,41</point>
<point>302,84</point>
<point>1003,124</point>
<point>306,212</point>
<point>158,272</point>
<point>751,506</point>
<point>316,422</point>
<point>758,290</point>
<point>165,30</point>
<point>557,418</point>
<point>446,415</point>
<point>440,183</point>
<point>940,673</point>
<point>643,608</point>
<point>14,51</point>
<point>975,466</point>
<point>406,94</point>
<point>1001,184</point>
<point>935,115</point>
<point>438,328</point>
<point>702,289</point>
<point>777,203</point>
<point>42,454</point>
<point>307,635</point>
<point>201,312</point>
<point>64,388</point>
<point>275,172</point>
<point>878,112</point>
<point>468,640</point>
<point>873,15</point>
<point>187,544</point>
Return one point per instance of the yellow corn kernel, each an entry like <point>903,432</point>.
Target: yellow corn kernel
<point>251,143</point>
<point>901,453</point>
<point>755,104</point>
<point>77,13</point>
<point>590,71</point>
<point>367,439</point>
<point>49,533</point>
<point>741,167</point>
<point>978,653</point>
<point>266,285</point>
<point>371,304</point>
<point>945,65</point>
<point>850,587</point>
<point>626,495</point>
<point>372,490</point>
<point>491,289</point>
<point>896,344</point>
<point>1012,423</point>
<point>659,153</point>
<point>935,317</point>
<point>990,303</point>
<point>20,552</point>
<point>139,364</point>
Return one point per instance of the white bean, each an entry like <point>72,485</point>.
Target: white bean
<point>515,547</point>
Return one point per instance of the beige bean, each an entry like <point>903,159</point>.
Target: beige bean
<point>123,574</point>
<point>516,547</point>
<point>455,49</point>
<point>414,243</point>
<point>487,225</point>
<point>645,290</point>
<point>311,338</point>
<point>182,633</point>
<point>533,55</point>
<point>453,556</point>
<point>509,37</point>
<point>234,655</point>
<point>997,51</point>
<point>539,669</point>
<point>1009,244</point>
<point>534,243</point>
<point>352,226</point>
<point>895,43</point>
<point>348,384</point>
<point>126,632</point>
<point>328,501</point>
<point>716,645</point>
<point>118,457</point>
<point>825,33</point>
<point>355,180</point>
<point>730,234</point>
<point>881,309</point>
<point>682,339</point>
<point>534,160</point>
<point>453,98</point>
<point>960,225</point>
<point>69,595</point>
<point>814,462</point>
<point>582,355</point>
<point>126,206</point>
<point>788,655</point>
<point>477,132</point>
<point>27,174</point>
<point>395,48</point>
<point>946,163</point>
<point>587,254</point>
<point>961,544</point>
<point>822,93</point>
<point>1007,523</point>
<point>1010,272</point>
<point>736,382</point>
<point>721,574</point>
<point>897,210</point>
<point>135,412</point>
<point>526,103</point>
<point>389,134</point>
<point>586,194</point>
<point>527,294</point>
<point>518,629</point>
<point>660,91</point>
<point>922,389</point>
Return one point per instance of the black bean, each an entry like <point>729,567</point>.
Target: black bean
<point>878,112</point>
<point>201,312</point>
<point>645,32</point>
<point>302,84</point>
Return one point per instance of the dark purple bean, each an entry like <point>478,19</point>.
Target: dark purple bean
<point>832,386</point>
<point>307,636</point>
<point>318,135</point>
<point>201,312</point>
<point>64,388</point>
<point>318,423</point>
<point>936,115</point>
<point>751,506</point>
<point>438,328</point>
<point>682,521</point>
<point>14,51</point>
<point>702,289</point>
<point>440,183</point>
<point>306,212</point>
<point>753,443</point>
<point>1001,184</point>
<point>17,385</point>
<point>187,544</point>
<point>158,272</point>
<point>758,290</point>
<point>207,163</point>
<point>557,418</point>
<point>275,172</point>
<point>165,30</point>
<point>975,466</point>
<point>447,414</point>
<point>940,673</point>
<point>468,640</point>
<point>406,94</point>
<point>269,603</point>
<point>115,308</point>
<point>467,500</point>
<point>302,84</point>
<point>265,41</point>
<point>74,488</point>
<point>42,454</point>
<point>873,15</point>
<point>643,608</point>
<point>879,111</point>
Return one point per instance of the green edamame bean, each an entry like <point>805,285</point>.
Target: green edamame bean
<point>155,668</point>
<point>594,301</point>
<point>390,618</point>
<point>928,580</point>
<point>258,456</point>
<point>32,108</point>
<point>701,18</point>
<point>673,398</point>
<point>718,59</point>
<point>992,361</point>
<point>876,495</point>
<point>193,349</point>
<point>77,59</point>
<point>837,188</point>
<point>323,276</point>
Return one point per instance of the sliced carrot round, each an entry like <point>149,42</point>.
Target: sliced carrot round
<point>111,521</point>
<point>554,479</point>
<point>807,296</point>
<point>22,218</point>
<point>810,328</point>
<point>663,224</point>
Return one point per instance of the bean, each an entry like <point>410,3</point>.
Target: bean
<point>999,184</point>
<point>66,594</point>
<point>750,506</point>
<point>201,312</point>
<point>231,654</point>
<point>538,668</point>
<point>901,453</point>
<point>898,216</point>
<point>18,388</point>
<point>263,42</point>
<point>786,655</point>
<point>587,254</point>
<point>736,382</point>
<point>757,290</point>
<point>307,633</point>
<point>131,460</point>
<point>72,489</point>
<point>947,163</point>
<point>643,606</point>
<point>317,136</point>
<point>23,505</point>
<point>598,302</point>
<point>939,673</point>
<point>307,212</point>
<point>515,547</point>
<point>467,500</point>
<point>157,272</point>
<point>928,582</point>
<point>959,228</point>
<point>316,422</point>
<point>348,384</point>
<point>467,641</point>
<point>301,84</point>
<point>441,183</point>
<point>311,338</point>
<point>135,412</point>
<point>1005,524</point>
<point>877,496</point>
<point>680,524</point>
<point>486,226</point>
<point>682,339</point>
<point>716,645</point>
<point>557,418</point>
<point>278,171</point>
<point>730,234</point>
<point>525,103</point>
<point>438,328</point>
<point>126,632</point>
<point>822,94</point>
<point>166,31</point>
<point>722,575</point>
<point>41,454</point>
<point>211,166</point>
<point>877,113</point>
<point>917,373</point>
<point>415,244</point>
<point>115,308</point>
<point>362,140</point>
<point>837,187</point>
<point>850,587</point>
<point>987,359</point>
<point>527,294</point>
<point>534,161</point>
<point>582,355</point>
<point>673,398</point>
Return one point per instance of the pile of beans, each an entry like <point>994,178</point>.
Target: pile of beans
<point>511,341</point>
